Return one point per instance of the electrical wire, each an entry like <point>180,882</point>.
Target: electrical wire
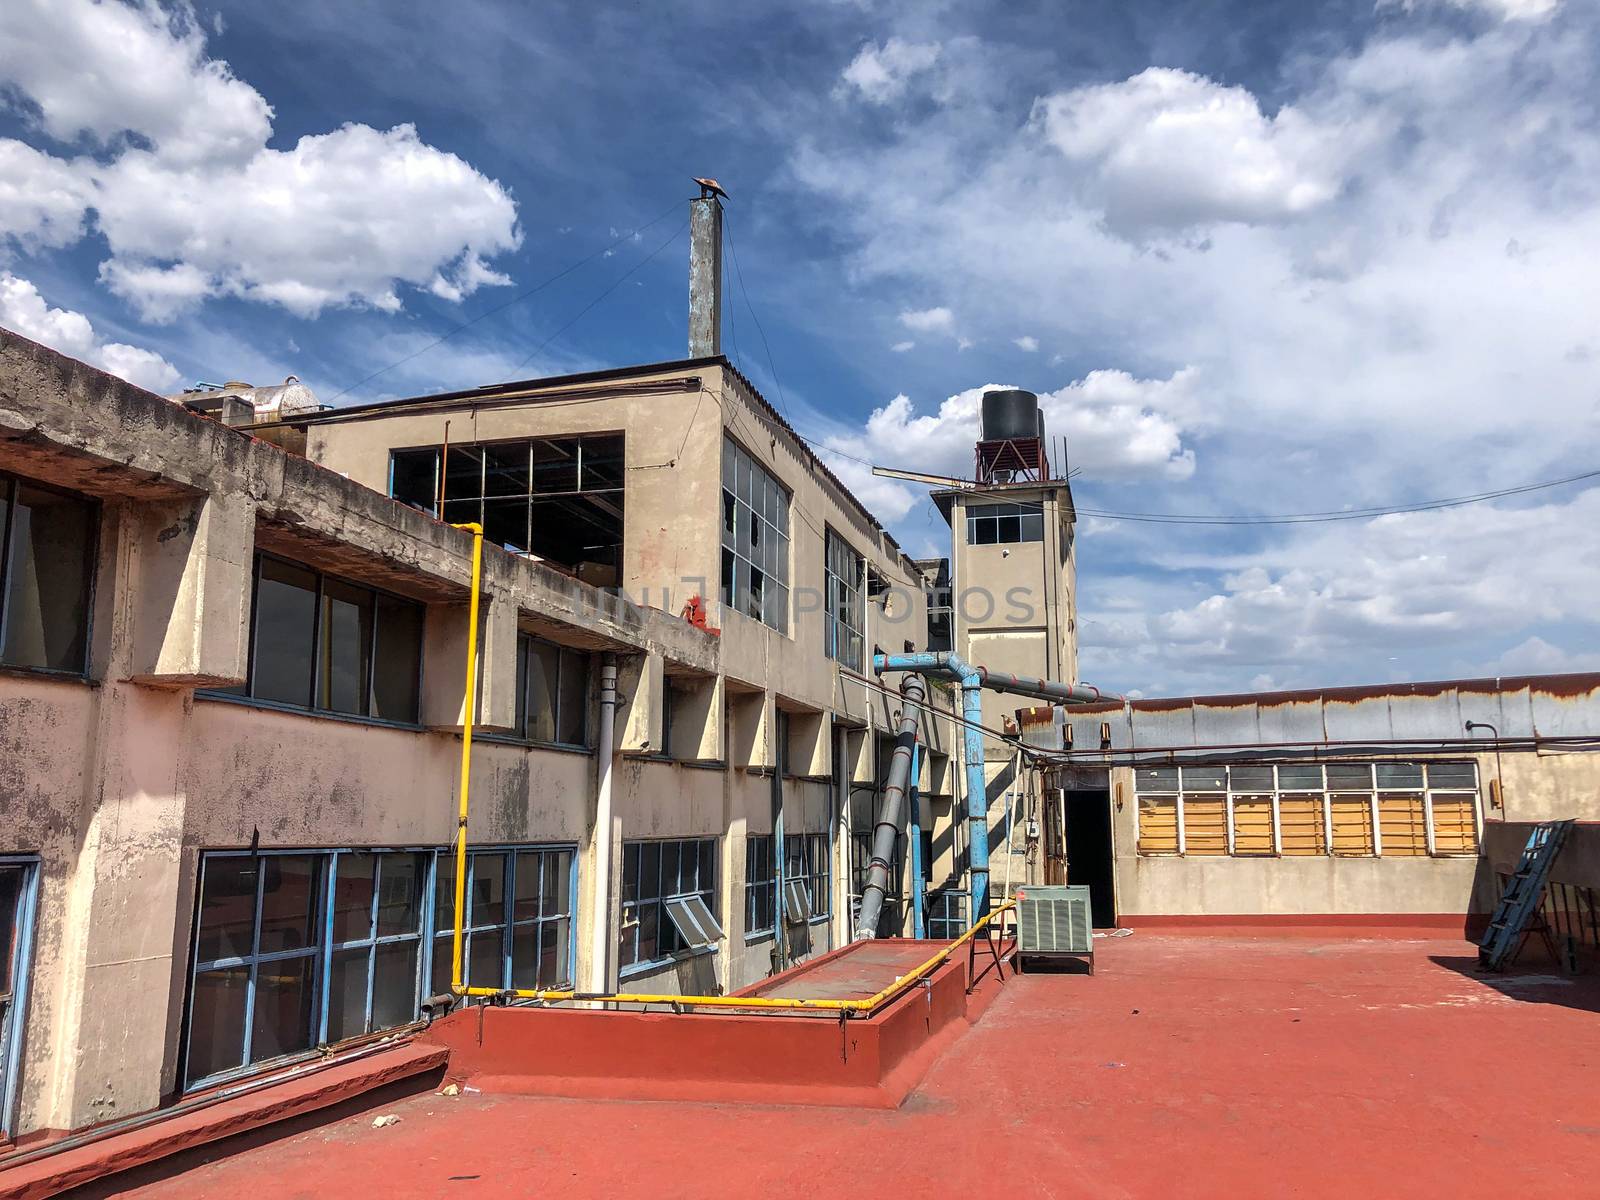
<point>505,304</point>
<point>739,275</point>
<point>618,283</point>
<point>1353,514</point>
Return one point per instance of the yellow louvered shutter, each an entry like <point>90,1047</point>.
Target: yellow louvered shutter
<point>1158,824</point>
<point>1352,824</point>
<point>1455,823</point>
<point>1252,825</point>
<point>1205,824</point>
<point>1400,821</point>
<point>1300,824</point>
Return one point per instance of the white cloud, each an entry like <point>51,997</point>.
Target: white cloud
<point>24,310</point>
<point>902,347</point>
<point>1169,150</point>
<point>1026,343</point>
<point>1114,427</point>
<point>1506,10</point>
<point>109,69</point>
<point>193,202</point>
<point>42,199</point>
<point>1535,656</point>
<point>880,74</point>
<point>929,320</point>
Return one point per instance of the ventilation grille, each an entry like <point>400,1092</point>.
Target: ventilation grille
<point>1054,920</point>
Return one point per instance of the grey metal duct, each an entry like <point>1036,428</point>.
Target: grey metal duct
<point>912,695</point>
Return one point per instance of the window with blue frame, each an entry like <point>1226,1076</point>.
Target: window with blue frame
<point>296,949</point>
<point>375,936</point>
<point>947,913</point>
<point>257,940</point>
<point>760,885</point>
<point>518,928</point>
<point>18,883</point>
<point>805,865</point>
<point>654,875</point>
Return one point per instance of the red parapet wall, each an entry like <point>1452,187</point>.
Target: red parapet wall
<point>777,1057</point>
<point>1311,924</point>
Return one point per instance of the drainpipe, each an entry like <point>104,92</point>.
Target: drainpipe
<point>602,937</point>
<point>919,923</point>
<point>912,693</point>
<point>973,680</point>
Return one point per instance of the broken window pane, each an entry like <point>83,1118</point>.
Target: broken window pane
<point>414,478</point>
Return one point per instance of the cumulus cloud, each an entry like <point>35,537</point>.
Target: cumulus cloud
<point>42,199</point>
<point>902,347</point>
<point>1113,425</point>
<point>929,320</point>
<point>880,73</point>
<point>1169,150</point>
<point>191,200</point>
<point>24,310</point>
<point>1026,343</point>
<point>1506,10</point>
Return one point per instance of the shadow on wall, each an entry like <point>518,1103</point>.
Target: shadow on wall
<point>1534,977</point>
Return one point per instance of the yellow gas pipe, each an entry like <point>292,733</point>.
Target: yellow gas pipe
<point>470,712</point>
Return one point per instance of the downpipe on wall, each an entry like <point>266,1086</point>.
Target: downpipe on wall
<point>601,939</point>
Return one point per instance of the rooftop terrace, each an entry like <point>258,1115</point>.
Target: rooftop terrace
<point>1224,1063</point>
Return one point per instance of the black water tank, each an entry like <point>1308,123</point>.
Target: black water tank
<point>1012,413</point>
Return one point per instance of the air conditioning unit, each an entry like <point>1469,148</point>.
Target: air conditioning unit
<point>1054,921</point>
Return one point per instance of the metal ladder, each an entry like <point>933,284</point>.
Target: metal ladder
<point>1518,913</point>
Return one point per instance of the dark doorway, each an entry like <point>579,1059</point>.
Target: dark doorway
<point>1089,851</point>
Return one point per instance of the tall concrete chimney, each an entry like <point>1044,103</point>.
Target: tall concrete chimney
<point>705,271</point>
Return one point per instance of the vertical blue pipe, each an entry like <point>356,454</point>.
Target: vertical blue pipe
<point>919,924</point>
<point>977,794</point>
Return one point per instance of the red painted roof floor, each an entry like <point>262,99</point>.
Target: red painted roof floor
<point>1188,1066</point>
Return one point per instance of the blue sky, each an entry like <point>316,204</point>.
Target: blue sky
<point>1258,258</point>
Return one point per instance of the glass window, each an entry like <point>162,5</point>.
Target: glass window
<point>332,646</point>
<point>518,932</point>
<point>553,692</point>
<point>760,884</point>
<point>251,998</point>
<point>947,913</point>
<point>806,861</point>
<point>652,874</point>
<point>845,614</point>
<point>375,965</point>
<point>755,541</point>
<point>1004,524</point>
<point>49,539</point>
<point>891,918</point>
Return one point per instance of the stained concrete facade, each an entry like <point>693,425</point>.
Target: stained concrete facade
<point>117,780</point>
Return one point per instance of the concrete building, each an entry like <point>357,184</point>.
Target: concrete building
<point>232,696</point>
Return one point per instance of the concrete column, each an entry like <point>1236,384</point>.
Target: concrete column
<point>119,979</point>
<point>191,618</point>
<point>444,665</point>
<point>641,686</point>
<point>705,276</point>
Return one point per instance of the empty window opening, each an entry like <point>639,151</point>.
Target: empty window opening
<point>560,499</point>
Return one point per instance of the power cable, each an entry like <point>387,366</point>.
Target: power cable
<point>618,283</point>
<point>1353,514</point>
<point>738,274</point>
<point>505,304</point>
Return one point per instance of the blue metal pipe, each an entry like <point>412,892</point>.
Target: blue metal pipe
<point>919,901</point>
<point>973,680</point>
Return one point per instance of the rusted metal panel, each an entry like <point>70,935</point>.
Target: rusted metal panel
<point>1356,719</point>
<point>1298,720</point>
<point>1164,727</point>
<point>1563,714</point>
<point>1426,715</point>
<point>1215,724</point>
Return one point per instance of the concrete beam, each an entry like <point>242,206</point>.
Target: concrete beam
<point>444,660</point>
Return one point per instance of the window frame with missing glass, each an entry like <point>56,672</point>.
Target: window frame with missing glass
<point>319,689</point>
<point>75,662</point>
<point>755,524</point>
<point>844,582</point>
<point>666,943</point>
<point>808,862</point>
<point>597,493</point>
<point>1373,790</point>
<point>1006,524</point>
